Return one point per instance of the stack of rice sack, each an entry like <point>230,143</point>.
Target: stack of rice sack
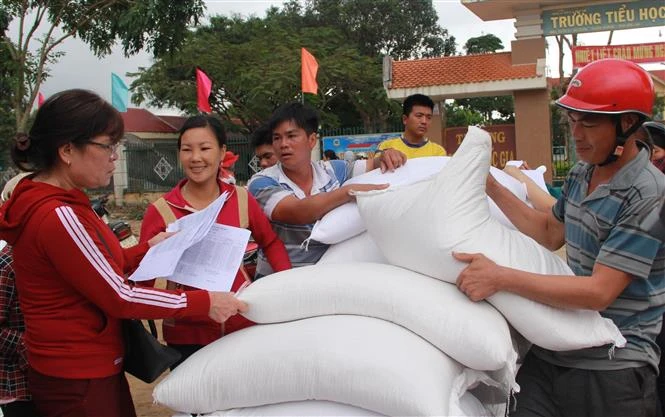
<point>394,336</point>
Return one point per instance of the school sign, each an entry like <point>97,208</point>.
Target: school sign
<point>614,16</point>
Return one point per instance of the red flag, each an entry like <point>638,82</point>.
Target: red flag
<point>203,88</point>
<point>309,69</point>
<point>40,99</point>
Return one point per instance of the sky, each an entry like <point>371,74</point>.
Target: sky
<point>79,68</point>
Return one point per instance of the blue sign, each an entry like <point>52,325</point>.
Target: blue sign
<point>358,144</point>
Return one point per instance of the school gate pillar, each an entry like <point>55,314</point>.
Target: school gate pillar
<point>533,125</point>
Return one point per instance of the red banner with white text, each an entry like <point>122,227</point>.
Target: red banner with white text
<point>640,53</point>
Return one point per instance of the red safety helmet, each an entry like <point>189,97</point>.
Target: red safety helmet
<point>610,86</point>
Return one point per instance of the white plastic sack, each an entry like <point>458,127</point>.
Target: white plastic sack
<point>470,406</point>
<point>359,248</point>
<point>419,226</point>
<point>536,175</point>
<point>474,334</point>
<point>344,222</point>
<point>305,409</point>
<point>360,361</point>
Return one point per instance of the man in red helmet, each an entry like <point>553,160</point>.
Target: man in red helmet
<point>619,266</point>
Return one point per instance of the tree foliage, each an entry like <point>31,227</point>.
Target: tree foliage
<point>6,112</point>
<point>457,115</point>
<point>484,44</point>
<point>255,66</point>
<point>157,25</point>
<point>402,29</point>
<point>490,110</point>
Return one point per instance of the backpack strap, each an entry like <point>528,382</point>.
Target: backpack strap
<point>242,207</point>
<point>165,211</point>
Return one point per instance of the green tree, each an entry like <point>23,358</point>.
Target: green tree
<point>255,66</point>
<point>157,25</point>
<point>497,109</point>
<point>7,125</point>
<point>460,116</point>
<point>402,29</point>
<point>483,44</point>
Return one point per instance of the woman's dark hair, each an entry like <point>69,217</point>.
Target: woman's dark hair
<point>70,116</point>
<point>204,121</point>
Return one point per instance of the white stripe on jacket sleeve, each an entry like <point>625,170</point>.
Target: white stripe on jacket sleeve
<point>97,260</point>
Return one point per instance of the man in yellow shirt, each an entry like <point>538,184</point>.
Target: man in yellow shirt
<point>417,116</point>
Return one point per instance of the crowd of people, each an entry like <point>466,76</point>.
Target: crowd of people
<point>62,349</point>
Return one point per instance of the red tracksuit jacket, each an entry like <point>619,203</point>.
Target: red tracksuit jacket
<point>201,330</point>
<point>70,278</point>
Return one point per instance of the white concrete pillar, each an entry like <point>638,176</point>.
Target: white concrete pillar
<point>120,177</point>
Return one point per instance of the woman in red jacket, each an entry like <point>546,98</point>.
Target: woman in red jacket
<point>201,147</point>
<point>70,267</point>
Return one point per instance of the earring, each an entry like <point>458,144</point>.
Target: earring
<point>69,163</point>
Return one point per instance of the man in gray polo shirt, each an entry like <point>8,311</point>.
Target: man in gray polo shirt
<point>297,192</point>
<point>619,266</point>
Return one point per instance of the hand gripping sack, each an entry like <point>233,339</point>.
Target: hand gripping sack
<point>345,222</point>
<point>419,226</point>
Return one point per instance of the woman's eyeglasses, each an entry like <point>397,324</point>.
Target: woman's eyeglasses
<point>110,148</point>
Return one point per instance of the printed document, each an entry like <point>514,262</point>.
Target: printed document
<point>202,254</point>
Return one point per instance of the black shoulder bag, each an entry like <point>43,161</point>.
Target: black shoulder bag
<point>145,357</point>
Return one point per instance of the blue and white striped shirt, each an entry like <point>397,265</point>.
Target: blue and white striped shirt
<point>606,227</point>
<point>271,185</point>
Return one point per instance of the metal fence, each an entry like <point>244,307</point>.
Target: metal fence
<point>563,154</point>
<point>360,130</point>
<point>154,166</point>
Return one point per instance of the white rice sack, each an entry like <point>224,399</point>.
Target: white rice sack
<point>474,334</point>
<point>359,248</point>
<point>419,226</point>
<point>345,221</point>
<point>469,406</point>
<point>309,408</point>
<point>359,361</point>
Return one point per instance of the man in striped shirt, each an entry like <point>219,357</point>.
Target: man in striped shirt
<point>296,192</point>
<point>619,266</point>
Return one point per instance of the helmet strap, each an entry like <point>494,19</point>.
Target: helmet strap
<point>620,140</point>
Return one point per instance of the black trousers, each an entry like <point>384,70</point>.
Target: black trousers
<point>548,390</point>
